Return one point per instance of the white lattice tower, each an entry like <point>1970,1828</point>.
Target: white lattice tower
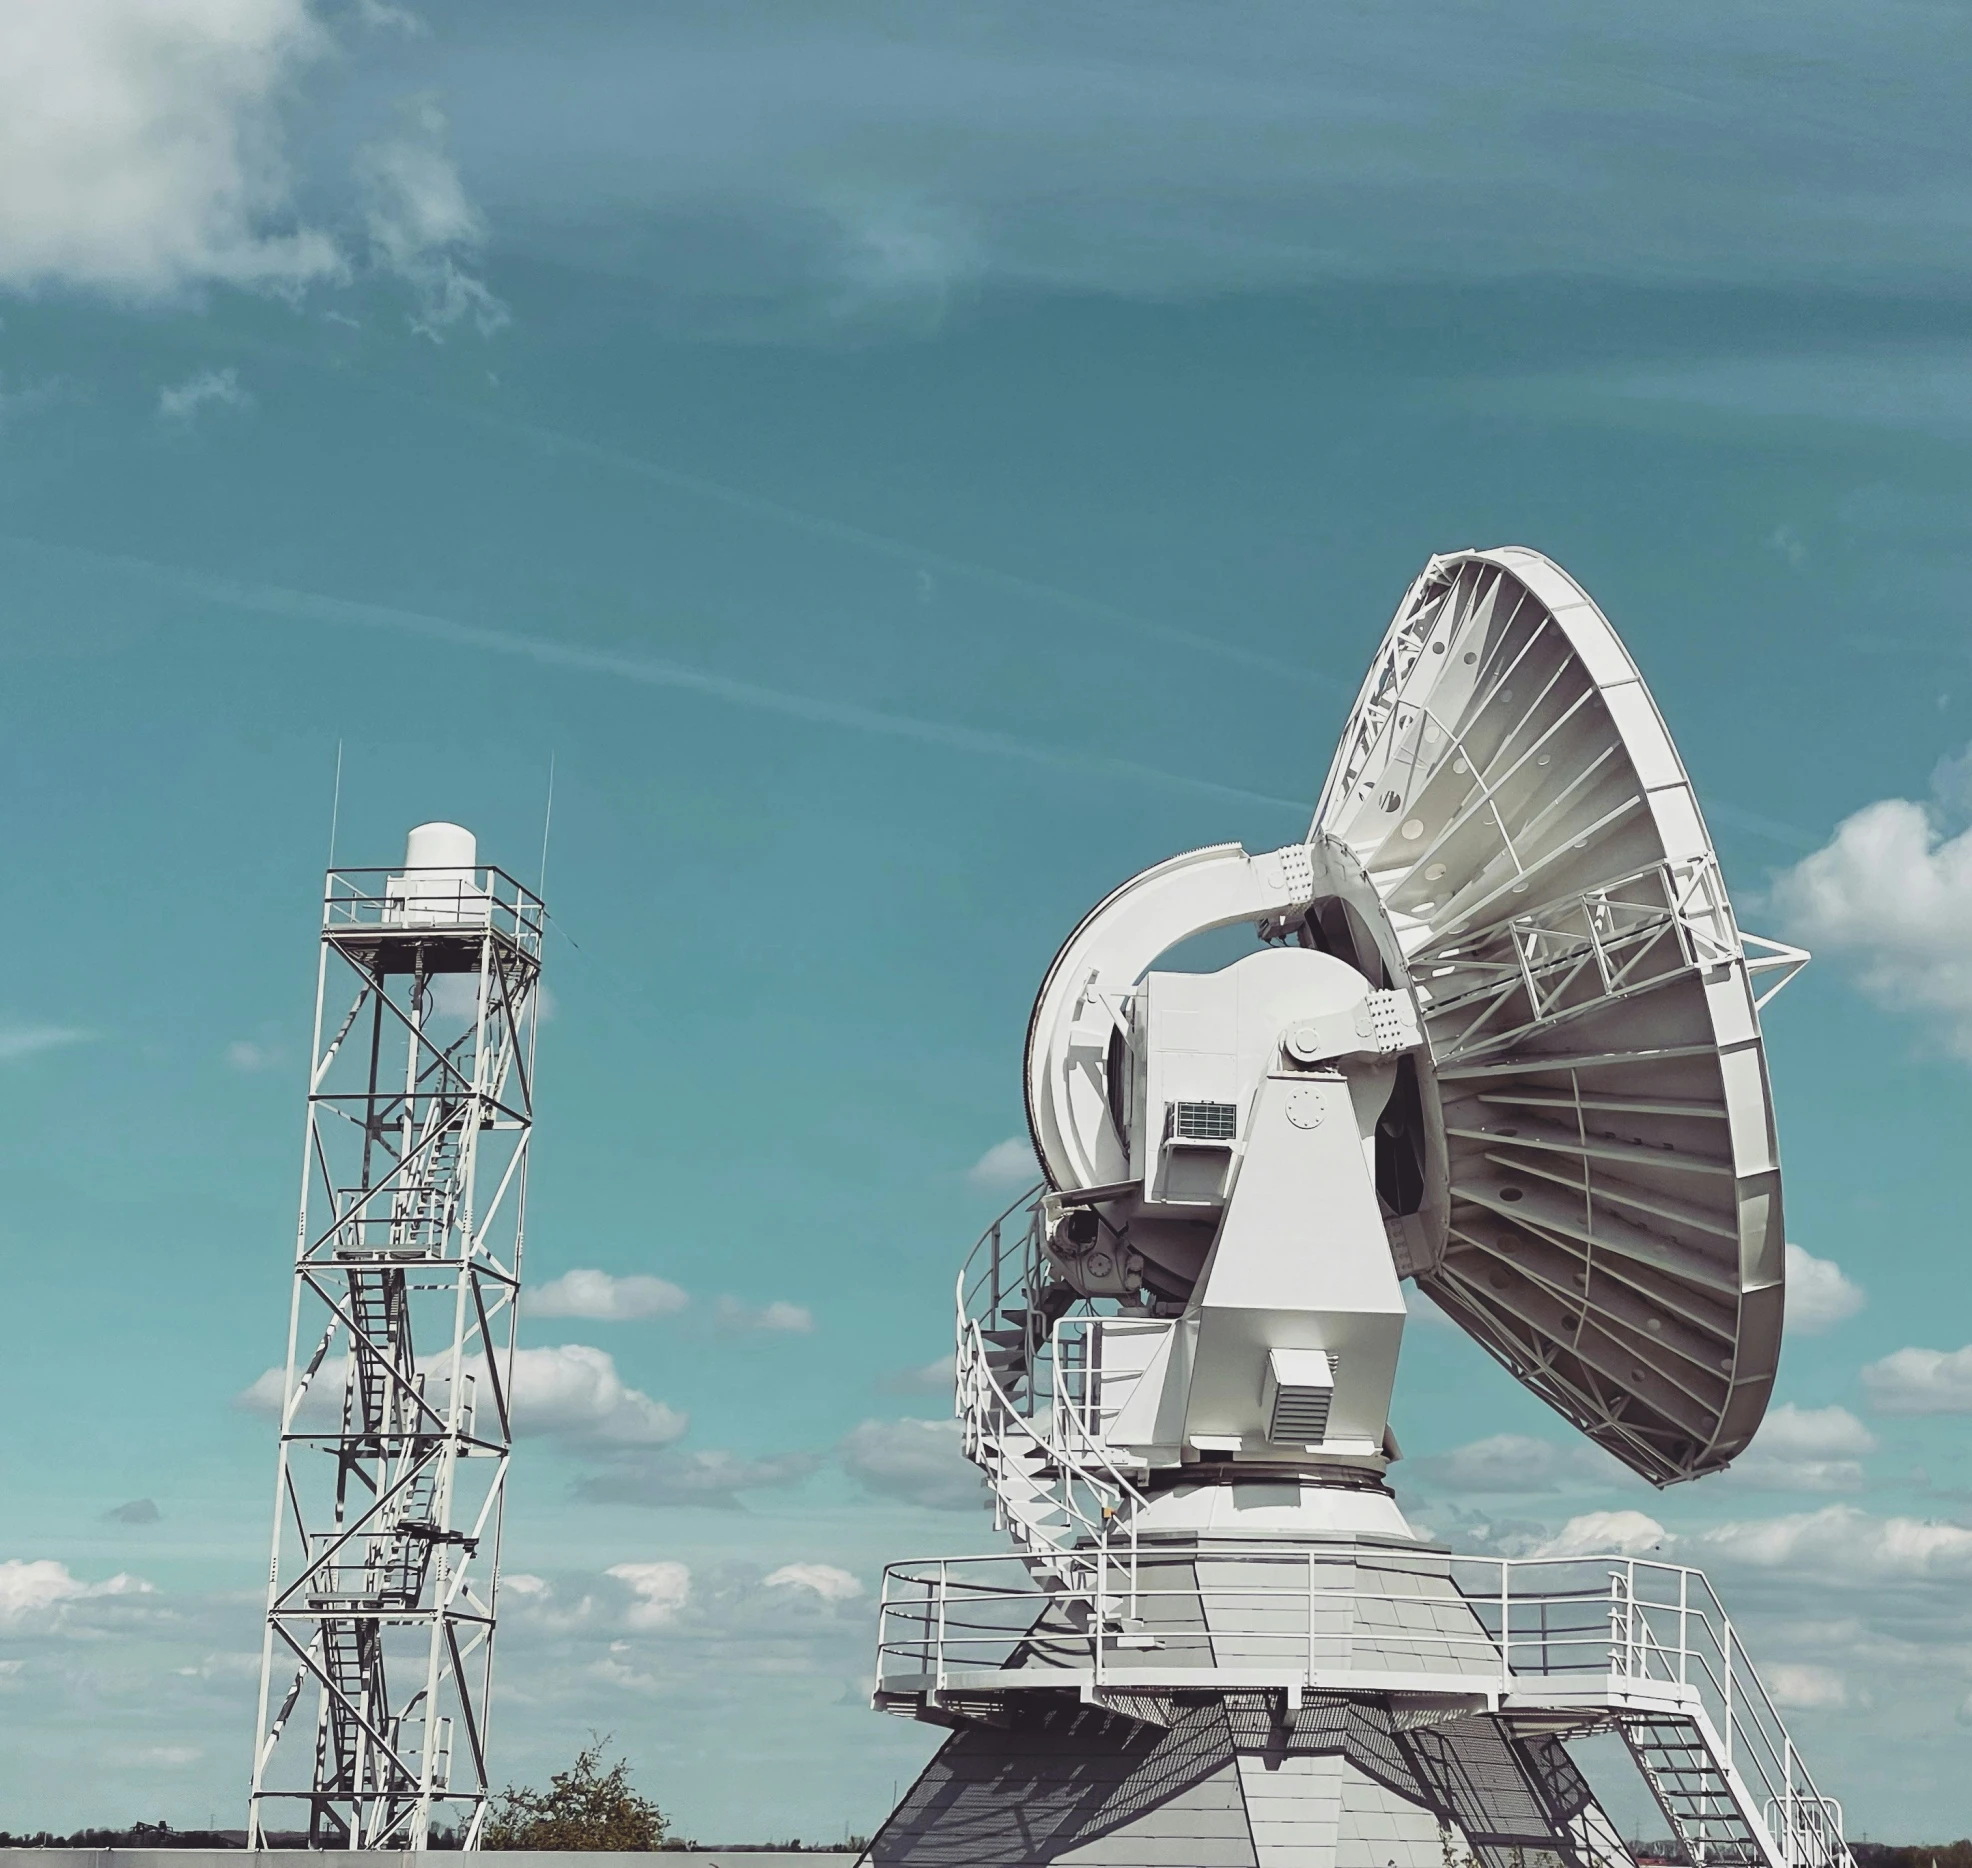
<point>395,1423</point>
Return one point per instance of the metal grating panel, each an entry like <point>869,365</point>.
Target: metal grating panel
<point>1205,1122</point>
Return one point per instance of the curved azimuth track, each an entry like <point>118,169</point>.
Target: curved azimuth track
<point>377,1662</point>
<point>1604,1211</point>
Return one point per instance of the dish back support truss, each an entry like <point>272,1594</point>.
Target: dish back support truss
<point>1599,1195</point>
<point>395,1423</point>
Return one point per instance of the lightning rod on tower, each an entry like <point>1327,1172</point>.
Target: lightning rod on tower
<point>395,1422</point>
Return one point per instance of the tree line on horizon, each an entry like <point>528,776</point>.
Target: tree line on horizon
<point>585,1809</point>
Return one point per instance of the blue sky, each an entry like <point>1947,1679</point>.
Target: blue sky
<point>909,469</point>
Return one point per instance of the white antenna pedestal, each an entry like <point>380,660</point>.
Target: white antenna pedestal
<point>1503,1042</point>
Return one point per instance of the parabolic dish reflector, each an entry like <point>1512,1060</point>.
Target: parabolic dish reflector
<point>1595,1193</point>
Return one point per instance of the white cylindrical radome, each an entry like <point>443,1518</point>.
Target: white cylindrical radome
<point>441,846</point>
<point>438,886</point>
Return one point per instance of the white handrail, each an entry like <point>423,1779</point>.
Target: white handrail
<point>1655,1634</point>
<point>1053,1482</point>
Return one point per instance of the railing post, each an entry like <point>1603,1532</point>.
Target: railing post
<point>1726,1642</point>
<point>938,1670</point>
<point>1787,1802</point>
<point>1684,1627</point>
<point>1619,1650</point>
<point>1506,1623</point>
<point>1638,1665</point>
<point>1095,1614</point>
<point>1310,1556</point>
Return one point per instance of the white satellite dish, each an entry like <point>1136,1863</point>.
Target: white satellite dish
<point>1589,1165</point>
<point>1577,1163</point>
<point>1501,1040</point>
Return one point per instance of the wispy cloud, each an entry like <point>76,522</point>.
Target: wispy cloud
<point>1921,1381</point>
<point>600,1297</point>
<point>713,1478</point>
<point>935,1377</point>
<point>18,1041</point>
<point>423,228</point>
<point>778,1318</point>
<point>249,1056</point>
<point>1005,1166</point>
<point>1089,610</point>
<point>1806,1450</point>
<point>649,671</point>
<point>918,1462</point>
<point>181,402</point>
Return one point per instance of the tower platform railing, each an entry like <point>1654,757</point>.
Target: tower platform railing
<point>1571,1643</point>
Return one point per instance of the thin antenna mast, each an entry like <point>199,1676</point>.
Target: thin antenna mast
<point>547,824</point>
<point>335,806</point>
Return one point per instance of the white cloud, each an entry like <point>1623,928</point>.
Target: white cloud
<point>659,1591</point>
<point>181,402</point>
<point>15,403</point>
<point>35,1593</point>
<point>1819,1293</point>
<point>778,1317</point>
<point>423,228</point>
<point>1842,1544</point>
<point>1006,1166</point>
<point>1921,1381</point>
<point>712,1478</point>
<point>140,146</point>
<point>1893,894</point>
<point>935,1377</point>
<point>533,1603</point>
<point>264,1393</point>
<point>918,1461</point>
<point>1503,1462</point>
<point>246,1056</point>
<point>574,1393</point>
<point>601,1298</point>
<point>1807,1450</point>
<point>381,15</point>
<point>569,1392</point>
<point>18,1041</point>
<point>167,1756</point>
<point>1189,160</point>
<point>1796,1687</point>
<point>1606,1533</point>
<point>828,1582</point>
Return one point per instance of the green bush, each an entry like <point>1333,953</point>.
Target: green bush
<point>584,1807</point>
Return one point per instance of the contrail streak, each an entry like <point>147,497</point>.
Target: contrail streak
<point>647,671</point>
<point>898,550</point>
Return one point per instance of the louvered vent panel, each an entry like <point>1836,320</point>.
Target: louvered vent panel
<point>1303,1384</point>
<point>1205,1122</point>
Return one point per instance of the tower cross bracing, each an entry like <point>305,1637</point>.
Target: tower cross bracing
<point>396,1410</point>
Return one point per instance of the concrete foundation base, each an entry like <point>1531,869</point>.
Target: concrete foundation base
<point>1239,1781</point>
